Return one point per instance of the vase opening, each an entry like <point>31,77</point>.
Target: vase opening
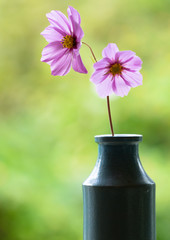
<point>108,138</point>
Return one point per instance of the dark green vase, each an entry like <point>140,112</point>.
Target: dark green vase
<point>118,196</point>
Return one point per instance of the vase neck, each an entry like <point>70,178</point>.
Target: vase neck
<point>118,154</point>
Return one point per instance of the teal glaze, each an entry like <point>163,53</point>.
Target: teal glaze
<point>118,196</point>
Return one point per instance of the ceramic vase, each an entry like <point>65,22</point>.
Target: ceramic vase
<point>119,196</point>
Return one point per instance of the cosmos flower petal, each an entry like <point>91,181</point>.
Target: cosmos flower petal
<point>77,64</point>
<point>110,51</point>
<point>133,79</point>
<point>51,51</point>
<point>102,64</point>
<point>104,89</point>
<point>61,66</point>
<point>76,28</point>
<point>55,55</point>
<point>65,19</point>
<point>98,76</point>
<point>74,14</point>
<point>52,47</point>
<point>59,20</point>
<point>119,86</point>
<point>124,56</point>
<point>62,70</point>
<point>51,35</point>
<point>134,64</point>
<point>67,67</point>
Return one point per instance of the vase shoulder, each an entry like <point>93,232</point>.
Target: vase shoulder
<point>118,162</point>
<point>99,179</point>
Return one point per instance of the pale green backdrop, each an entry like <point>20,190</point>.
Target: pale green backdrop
<point>47,124</point>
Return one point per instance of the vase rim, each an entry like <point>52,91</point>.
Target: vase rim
<point>118,138</point>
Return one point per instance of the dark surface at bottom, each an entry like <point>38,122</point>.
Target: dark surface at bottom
<point>119,213</point>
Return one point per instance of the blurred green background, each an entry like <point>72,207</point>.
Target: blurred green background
<point>47,124</point>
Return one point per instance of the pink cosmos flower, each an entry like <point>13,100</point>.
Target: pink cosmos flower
<point>64,37</point>
<point>117,72</point>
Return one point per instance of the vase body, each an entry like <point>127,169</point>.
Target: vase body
<point>118,196</point>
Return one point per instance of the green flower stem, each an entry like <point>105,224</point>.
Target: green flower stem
<point>108,102</point>
<point>110,117</point>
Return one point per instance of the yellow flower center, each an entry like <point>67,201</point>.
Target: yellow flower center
<point>116,68</point>
<point>68,42</point>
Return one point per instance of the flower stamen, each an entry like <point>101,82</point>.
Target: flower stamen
<point>69,42</point>
<point>116,68</point>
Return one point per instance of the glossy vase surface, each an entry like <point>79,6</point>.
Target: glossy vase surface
<point>118,196</point>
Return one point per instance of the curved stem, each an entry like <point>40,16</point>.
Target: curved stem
<point>110,117</point>
<point>90,50</point>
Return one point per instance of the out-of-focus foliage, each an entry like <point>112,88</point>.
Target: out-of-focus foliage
<point>47,123</point>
